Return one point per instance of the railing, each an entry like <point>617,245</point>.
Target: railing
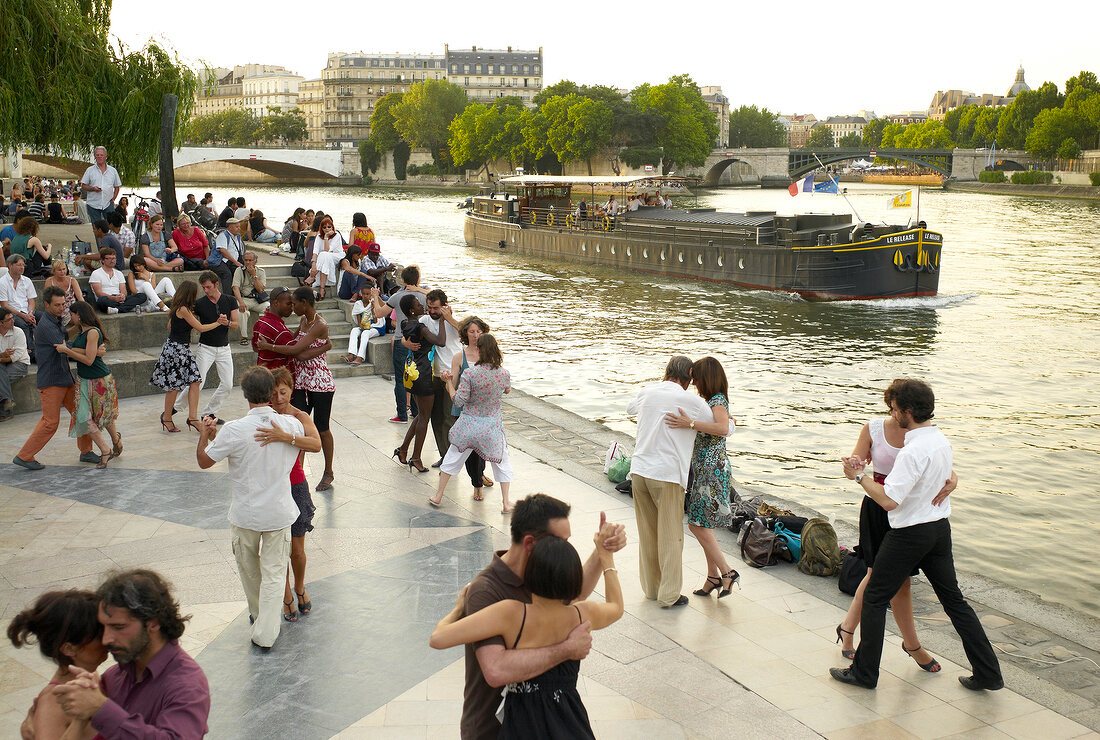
<point>292,145</point>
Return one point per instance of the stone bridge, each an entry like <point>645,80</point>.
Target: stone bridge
<point>779,166</point>
<point>281,165</point>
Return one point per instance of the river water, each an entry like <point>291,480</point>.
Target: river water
<point>1011,346</point>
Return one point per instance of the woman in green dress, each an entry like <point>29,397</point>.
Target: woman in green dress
<point>708,498</point>
<point>97,402</point>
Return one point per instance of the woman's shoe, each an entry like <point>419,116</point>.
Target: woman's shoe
<point>436,504</point>
<point>712,583</point>
<point>733,577</point>
<point>400,459</point>
<point>289,614</point>
<point>477,495</point>
<point>326,482</point>
<point>169,425</point>
<point>418,466</point>
<point>103,461</point>
<point>194,424</point>
<point>848,654</point>
<point>931,666</point>
<point>117,449</point>
<point>304,606</point>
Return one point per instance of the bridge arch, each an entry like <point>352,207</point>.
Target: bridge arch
<point>713,175</point>
<point>279,170</point>
<point>803,162</point>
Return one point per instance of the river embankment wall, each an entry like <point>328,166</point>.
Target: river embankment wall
<point>1086,192</point>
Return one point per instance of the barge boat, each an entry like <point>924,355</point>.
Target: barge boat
<point>821,257</point>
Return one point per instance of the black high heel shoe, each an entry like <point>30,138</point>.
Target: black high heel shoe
<point>397,454</point>
<point>734,577</point>
<point>418,466</point>
<point>932,666</point>
<point>848,654</point>
<point>712,583</point>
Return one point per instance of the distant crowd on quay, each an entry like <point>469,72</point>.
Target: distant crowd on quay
<point>525,620</point>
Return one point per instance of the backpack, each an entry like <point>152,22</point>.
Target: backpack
<point>759,546</point>
<point>820,551</point>
<point>852,571</point>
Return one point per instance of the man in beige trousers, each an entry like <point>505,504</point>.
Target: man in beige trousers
<point>659,473</point>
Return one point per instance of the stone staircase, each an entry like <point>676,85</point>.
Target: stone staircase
<point>136,339</point>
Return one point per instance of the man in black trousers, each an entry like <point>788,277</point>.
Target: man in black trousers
<point>920,536</point>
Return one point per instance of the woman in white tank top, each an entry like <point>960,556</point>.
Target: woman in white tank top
<point>879,443</point>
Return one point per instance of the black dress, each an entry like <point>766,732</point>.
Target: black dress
<point>548,705</point>
<point>412,330</point>
<point>176,367</point>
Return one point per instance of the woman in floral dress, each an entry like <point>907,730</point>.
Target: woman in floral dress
<point>708,499</point>
<point>97,402</point>
<point>480,429</point>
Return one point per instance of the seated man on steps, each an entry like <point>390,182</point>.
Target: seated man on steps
<point>109,287</point>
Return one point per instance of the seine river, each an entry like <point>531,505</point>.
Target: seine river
<point>1011,346</point>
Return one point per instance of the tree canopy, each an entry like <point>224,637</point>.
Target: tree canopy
<point>423,115</point>
<point>822,138</point>
<point>243,127</point>
<point>752,127</point>
<point>64,87</point>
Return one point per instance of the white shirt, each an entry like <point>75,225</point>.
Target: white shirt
<point>154,208</point>
<point>17,296</point>
<point>611,207</point>
<point>920,470</point>
<point>241,214</point>
<point>16,341</point>
<point>662,452</point>
<point>261,475</point>
<point>107,180</point>
<point>231,244</point>
<point>446,353</point>
<point>109,284</point>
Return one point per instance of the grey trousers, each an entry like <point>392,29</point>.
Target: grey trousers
<point>9,371</point>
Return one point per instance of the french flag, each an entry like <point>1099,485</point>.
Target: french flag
<point>805,185</point>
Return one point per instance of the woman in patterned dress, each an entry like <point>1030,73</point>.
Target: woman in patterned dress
<point>97,402</point>
<point>61,279</point>
<point>480,428</point>
<point>708,499</point>
<point>176,367</point>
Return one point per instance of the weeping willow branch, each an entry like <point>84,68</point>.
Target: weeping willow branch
<point>65,87</point>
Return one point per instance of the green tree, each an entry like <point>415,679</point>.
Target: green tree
<point>424,114</point>
<point>384,136</point>
<point>689,129</point>
<point>751,127</point>
<point>820,138</point>
<point>1019,115</point>
<point>557,90</point>
<point>985,127</point>
<point>1069,149</point>
<point>850,140</point>
<point>1050,130</point>
<point>872,133</point>
<point>65,87</point>
<point>890,133</point>
<point>468,144</point>
<point>590,129</point>
<point>280,126</point>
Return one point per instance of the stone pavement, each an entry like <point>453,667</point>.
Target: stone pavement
<point>384,567</point>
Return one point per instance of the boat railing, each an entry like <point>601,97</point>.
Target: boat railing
<point>567,219</point>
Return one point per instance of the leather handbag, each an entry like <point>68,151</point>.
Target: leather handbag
<point>759,546</point>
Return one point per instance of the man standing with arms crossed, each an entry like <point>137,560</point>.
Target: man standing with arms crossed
<point>263,508</point>
<point>102,183</point>
<point>919,536</point>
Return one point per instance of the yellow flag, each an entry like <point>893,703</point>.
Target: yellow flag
<point>905,200</point>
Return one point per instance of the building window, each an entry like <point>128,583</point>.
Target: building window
<point>467,82</point>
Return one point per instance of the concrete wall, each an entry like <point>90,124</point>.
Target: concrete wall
<point>11,165</point>
<point>227,172</point>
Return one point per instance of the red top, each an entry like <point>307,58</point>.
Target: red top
<point>272,329</point>
<point>195,247</point>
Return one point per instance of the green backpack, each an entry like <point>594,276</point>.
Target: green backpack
<point>820,551</point>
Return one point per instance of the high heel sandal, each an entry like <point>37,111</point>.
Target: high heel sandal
<point>848,654</point>
<point>170,429</point>
<point>397,454</point>
<point>103,459</point>
<point>194,424</point>
<point>712,583</point>
<point>116,449</point>
<point>477,495</point>
<point>931,666</point>
<point>734,577</point>
<point>418,466</point>
<point>293,615</point>
<point>304,606</point>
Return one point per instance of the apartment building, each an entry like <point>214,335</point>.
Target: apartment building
<point>719,105</point>
<point>488,74</point>
<point>254,87</point>
<point>311,101</point>
<point>798,127</point>
<point>841,126</point>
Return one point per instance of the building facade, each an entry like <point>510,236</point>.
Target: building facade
<point>353,84</point>
<point>220,91</point>
<point>253,87</point>
<point>841,126</point>
<point>488,74</point>
<point>719,105</point>
<point>311,101</point>
<point>945,100</point>
<point>798,127</point>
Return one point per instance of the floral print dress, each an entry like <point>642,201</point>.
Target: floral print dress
<point>481,427</point>
<point>709,496</point>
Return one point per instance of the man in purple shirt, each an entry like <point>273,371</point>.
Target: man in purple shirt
<point>157,691</point>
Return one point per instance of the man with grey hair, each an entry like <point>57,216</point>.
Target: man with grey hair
<point>659,473</point>
<point>102,183</point>
<point>260,459</point>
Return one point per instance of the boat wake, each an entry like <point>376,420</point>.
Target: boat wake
<point>936,301</point>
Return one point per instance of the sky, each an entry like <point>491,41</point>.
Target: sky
<point>791,57</point>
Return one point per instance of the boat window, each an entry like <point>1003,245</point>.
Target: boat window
<point>498,208</point>
<point>628,251</point>
<point>662,254</point>
<point>741,263</point>
<point>645,253</point>
<point>699,259</point>
<point>597,249</point>
<point>680,256</point>
<point>584,247</point>
<point>612,249</point>
<point>719,260</point>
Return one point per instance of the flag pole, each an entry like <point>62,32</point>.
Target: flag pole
<point>918,204</point>
<point>838,191</point>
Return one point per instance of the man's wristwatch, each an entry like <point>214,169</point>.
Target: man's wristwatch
<point>692,424</point>
<point>859,477</point>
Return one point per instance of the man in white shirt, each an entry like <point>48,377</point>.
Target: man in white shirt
<point>440,316</point>
<point>109,286</point>
<point>102,183</point>
<point>17,294</point>
<point>262,509</point>
<point>242,214</point>
<point>15,361</point>
<point>225,256</point>
<point>155,206</point>
<point>919,536</point>
<point>659,473</point>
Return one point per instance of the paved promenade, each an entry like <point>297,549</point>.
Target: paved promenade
<point>384,567</point>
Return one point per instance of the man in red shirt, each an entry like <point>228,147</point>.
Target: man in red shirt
<point>271,327</point>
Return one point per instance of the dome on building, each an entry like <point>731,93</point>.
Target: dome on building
<point>1019,85</point>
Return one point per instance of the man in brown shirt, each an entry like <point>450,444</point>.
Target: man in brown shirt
<point>489,664</point>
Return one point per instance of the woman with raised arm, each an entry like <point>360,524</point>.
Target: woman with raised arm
<point>176,367</point>
<point>328,250</point>
<point>97,401</point>
<point>548,705</point>
<point>424,340</point>
<point>470,330</point>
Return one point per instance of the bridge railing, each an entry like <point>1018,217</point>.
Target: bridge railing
<point>291,145</point>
